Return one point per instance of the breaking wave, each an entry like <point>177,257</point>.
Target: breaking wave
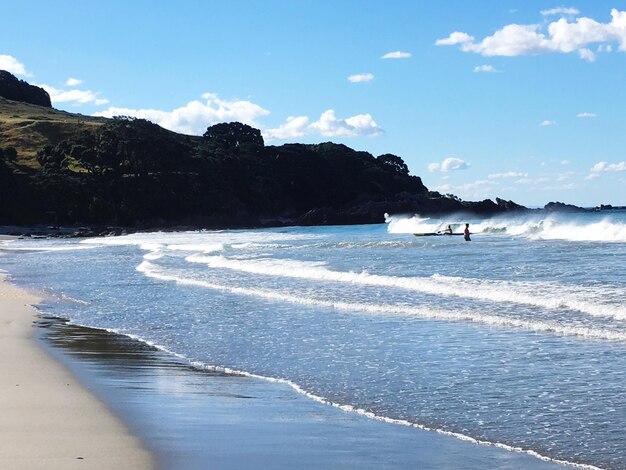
<point>539,294</point>
<point>601,228</point>
<point>156,272</point>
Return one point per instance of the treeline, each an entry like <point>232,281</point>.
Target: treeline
<point>132,172</point>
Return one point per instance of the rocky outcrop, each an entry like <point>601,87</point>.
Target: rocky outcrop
<point>12,88</point>
<point>562,207</point>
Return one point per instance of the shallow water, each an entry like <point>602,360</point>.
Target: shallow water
<point>193,419</point>
<point>517,337</point>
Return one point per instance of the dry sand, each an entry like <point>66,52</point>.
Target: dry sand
<point>47,419</point>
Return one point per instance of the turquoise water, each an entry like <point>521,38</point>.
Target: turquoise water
<point>516,338</point>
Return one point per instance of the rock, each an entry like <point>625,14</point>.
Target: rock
<point>562,207</point>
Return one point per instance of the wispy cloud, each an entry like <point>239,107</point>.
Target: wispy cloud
<point>479,189</point>
<point>569,11</point>
<point>11,64</point>
<point>547,122</point>
<point>604,166</point>
<point>587,54</point>
<point>77,97</point>
<point>449,164</point>
<point>508,174</point>
<point>361,77</point>
<point>72,82</point>
<point>562,36</point>
<point>397,55</point>
<point>328,125</point>
<point>586,115</point>
<point>485,68</point>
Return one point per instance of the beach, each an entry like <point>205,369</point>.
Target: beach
<point>49,420</point>
<point>213,361</point>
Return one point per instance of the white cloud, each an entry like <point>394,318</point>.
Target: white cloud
<point>586,115</point>
<point>72,82</point>
<point>196,116</point>
<point>328,125</point>
<point>74,96</point>
<point>449,164</point>
<point>602,167</point>
<point>12,65</point>
<point>560,11</point>
<point>508,174</point>
<point>611,167</point>
<point>587,54</point>
<point>361,77</point>
<point>485,68</point>
<point>397,55</point>
<point>455,38</point>
<point>565,162</point>
<point>562,36</point>
<point>295,126</point>
<point>565,176</point>
<point>547,122</point>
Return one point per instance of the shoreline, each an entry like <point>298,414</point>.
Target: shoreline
<point>39,230</point>
<point>49,419</point>
<point>190,415</point>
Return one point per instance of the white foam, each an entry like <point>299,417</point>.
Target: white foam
<point>202,247</point>
<point>46,248</point>
<point>587,227</point>
<point>415,224</point>
<point>156,272</point>
<point>528,293</point>
<point>204,238</point>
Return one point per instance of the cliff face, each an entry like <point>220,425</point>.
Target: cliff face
<point>15,89</point>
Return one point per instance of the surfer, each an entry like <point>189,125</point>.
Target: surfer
<point>448,230</point>
<point>466,233</point>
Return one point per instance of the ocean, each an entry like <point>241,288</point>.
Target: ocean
<point>515,339</point>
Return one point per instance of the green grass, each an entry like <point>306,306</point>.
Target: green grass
<point>28,128</point>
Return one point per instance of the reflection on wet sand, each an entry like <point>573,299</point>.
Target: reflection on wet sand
<point>191,417</point>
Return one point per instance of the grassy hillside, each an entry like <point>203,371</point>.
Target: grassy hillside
<point>28,128</point>
<point>134,173</point>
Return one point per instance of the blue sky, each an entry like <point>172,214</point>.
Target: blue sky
<point>522,100</point>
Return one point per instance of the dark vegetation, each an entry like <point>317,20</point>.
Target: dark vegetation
<point>13,88</point>
<point>133,173</point>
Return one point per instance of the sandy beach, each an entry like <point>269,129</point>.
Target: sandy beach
<point>49,420</point>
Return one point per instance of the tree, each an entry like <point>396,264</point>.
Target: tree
<point>55,159</point>
<point>233,138</point>
<point>394,162</point>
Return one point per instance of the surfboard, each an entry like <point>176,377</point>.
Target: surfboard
<point>435,234</point>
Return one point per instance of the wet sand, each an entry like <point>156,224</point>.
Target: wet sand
<point>197,419</point>
<point>48,419</point>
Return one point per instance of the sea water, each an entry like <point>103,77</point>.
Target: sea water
<point>517,338</point>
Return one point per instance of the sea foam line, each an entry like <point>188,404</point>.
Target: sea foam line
<point>489,290</point>
<point>199,365</point>
<point>153,271</point>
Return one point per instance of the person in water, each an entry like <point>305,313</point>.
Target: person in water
<point>466,233</point>
<point>448,230</point>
